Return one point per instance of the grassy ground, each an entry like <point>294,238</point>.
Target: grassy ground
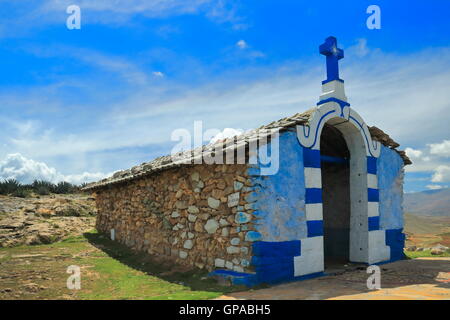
<point>424,254</point>
<point>108,271</point>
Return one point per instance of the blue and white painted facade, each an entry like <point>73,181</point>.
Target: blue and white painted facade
<point>288,236</point>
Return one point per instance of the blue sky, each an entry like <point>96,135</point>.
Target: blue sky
<point>80,104</point>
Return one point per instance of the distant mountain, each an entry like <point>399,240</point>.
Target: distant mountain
<point>430,203</point>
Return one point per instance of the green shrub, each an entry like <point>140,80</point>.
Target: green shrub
<point>43,185</point>
<point>40,187</point>
<point>64,187</point>
<point>42,191</point>
<point>9,186</point>
<point>21,192</point>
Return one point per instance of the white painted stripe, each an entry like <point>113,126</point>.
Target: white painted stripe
<point>312,244</point>
<point>314,211</point>
<point>311,259</point>
<point>372,181</point>
<point>313,178</point>
<point>378,250</point>
<point>373,209</point>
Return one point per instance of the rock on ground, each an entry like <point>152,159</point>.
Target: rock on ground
<point>28,221</point>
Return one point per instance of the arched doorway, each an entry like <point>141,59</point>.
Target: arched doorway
<point>346,125</point>
<point>344,193</point>
<point>335,167</point>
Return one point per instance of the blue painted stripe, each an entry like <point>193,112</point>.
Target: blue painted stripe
<point>237,278</point>
<point>309,276</point>
<point>395,239</point>
<point>311,158</point>
<point>276,273</point>
<point>316,133</point>
<point>313,195</point>
<point>261,262</point>
<point>332,99</point>
<point>374,223</point>
<point>326,81</point>
<point>360,125</point>
<point>324,158</point>
<point>373,195</point>
<point>372,165</point>
<point>274,261</point>
<point>315,228</point>
<point>276,249</point>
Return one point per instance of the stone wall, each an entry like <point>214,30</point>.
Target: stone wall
<point>390,185</point>
<point>194,215</point>
<point>279,199</point>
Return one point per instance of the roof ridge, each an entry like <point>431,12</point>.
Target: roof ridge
<point>186,157</point>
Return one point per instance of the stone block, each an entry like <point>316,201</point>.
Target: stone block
<point>213,203</point>
<point>219,263</point>
<point>175,214</point>
<point>225,232</point>
<point>229,265</point>
<point>233,199</point>
<point>242,217</point>
<point>193,210</point>
<point>188,244</point>
<point>238,269</point>
<point>253,236</point>
<point>235,241</point>
<point>237,185</point>
<point>211,226</point>
<point>233,250</point>
<point>195,176</point>
<point>245,263</point>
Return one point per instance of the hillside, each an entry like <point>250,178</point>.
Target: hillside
<point>427,231</point>
<point>428,203</point>
<point>44,219</point>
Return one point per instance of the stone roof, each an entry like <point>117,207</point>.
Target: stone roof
<point>232,143</point>
<point>379,135</point>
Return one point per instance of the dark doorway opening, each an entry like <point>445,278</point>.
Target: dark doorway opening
<point>335,197</point>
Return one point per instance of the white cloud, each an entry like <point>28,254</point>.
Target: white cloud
<point>430,159</point>
<point>151,8</point>
<point>16,166</point>
<point>226,133</point>
<point>144,116</point>
<point>360,49</point>
<point>85,177</point>
<point>440,149</point>
<point>241,44</point>
<point>127,70</point>
<point>246,52</point>
<point>441,174</point>
<point>435,187</point>
<point>255,99</point>
<point>37,13</point>
<point>158,74</point>
<point>413,153</point>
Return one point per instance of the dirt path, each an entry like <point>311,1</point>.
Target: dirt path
<point>418,279</point>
